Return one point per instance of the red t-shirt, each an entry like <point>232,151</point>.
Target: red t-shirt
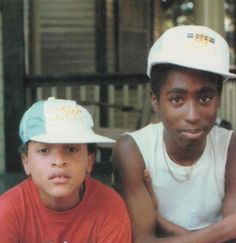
<point>100,217</point>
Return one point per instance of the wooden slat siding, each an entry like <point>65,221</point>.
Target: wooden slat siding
<point>109,36</point>
<point>68,93</point>
<point>66,35</point>
<point>111,100</point>
<point>34,39</point>
<point>92,93</point>
<point>228,101</point>
<point>39,93</point>
<point>110,31</point>
<point>118,116</point>
<point>228,109</point>
<point>83,93</point>
<point>53,91</point>
<point>133,101</point>
<point>96,116</point>
<point>125,103</point>
<point>140,96</point>
<point>133,35</point>
<point>222,111</point>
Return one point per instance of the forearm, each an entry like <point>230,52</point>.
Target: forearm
<point>167,228</point>
<point>222,231</point>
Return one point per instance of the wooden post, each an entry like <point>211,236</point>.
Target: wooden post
<point>13,69</point>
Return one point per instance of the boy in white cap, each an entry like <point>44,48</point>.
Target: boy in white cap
<point>190,161</point>
<point>60,202</point>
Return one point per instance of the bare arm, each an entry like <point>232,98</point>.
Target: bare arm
<point>128,173</point>
<point>230,179</point>
<point>128,170</point>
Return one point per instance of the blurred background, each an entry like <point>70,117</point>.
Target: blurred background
<point>93,51</point>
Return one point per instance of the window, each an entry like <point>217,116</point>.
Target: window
<point>68,37</point>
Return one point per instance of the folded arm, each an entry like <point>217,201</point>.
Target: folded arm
<point>230,179</point>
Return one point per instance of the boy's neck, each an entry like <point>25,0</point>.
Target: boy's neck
<point>185,155</point>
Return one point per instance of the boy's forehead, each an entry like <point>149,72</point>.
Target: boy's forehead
<point>180,74</point>
<point>182,80</point>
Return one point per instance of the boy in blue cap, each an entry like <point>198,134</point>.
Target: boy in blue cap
<point>60,202</point>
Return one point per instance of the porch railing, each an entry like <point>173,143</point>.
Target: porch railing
<point>115,100</point>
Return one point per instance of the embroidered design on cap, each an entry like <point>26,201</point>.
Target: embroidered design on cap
<point>203,38</point>
<point>67,113</point>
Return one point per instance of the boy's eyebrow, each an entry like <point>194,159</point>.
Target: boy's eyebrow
<point>207,89</point>
<point>183,91</point>
<point>176,90</point>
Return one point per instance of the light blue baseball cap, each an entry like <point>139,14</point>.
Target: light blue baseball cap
<point>59,121</point>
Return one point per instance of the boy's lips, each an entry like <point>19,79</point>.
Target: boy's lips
<point>192,133</point>
<point>59,178</point>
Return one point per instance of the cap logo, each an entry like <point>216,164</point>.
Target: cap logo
<point>201,38</point>
<point>202,42</point>
<point>66,113</point>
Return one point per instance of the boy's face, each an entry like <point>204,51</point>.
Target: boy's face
<point>58,170</point>
<point>187,106</point>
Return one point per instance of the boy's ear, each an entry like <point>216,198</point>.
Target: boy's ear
<point>25,162</point>
<point>91,159</point>
<point>154,101</point>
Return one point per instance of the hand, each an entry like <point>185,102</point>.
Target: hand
<point>148,183</point>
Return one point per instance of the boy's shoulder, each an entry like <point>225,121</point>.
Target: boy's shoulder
<point>104,202</point>
<point>16,200</point>
<point>21,186</point>
<point>101,193</point>
<point>18,192</point>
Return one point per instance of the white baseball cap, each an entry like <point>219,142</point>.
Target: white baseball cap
<point>59,121</point>
<point>192,46</point>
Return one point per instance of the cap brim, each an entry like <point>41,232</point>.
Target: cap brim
<point>71,138</point>
<point>226,76</point>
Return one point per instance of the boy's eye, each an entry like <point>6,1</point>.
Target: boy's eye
<point>205,99</point>
<point>176,99</point>
<point>72,149</point>
<point>43,150</point>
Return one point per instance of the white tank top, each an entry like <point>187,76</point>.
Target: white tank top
<point>191,196</point>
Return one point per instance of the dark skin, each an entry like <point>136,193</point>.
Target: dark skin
<point>187,105</point>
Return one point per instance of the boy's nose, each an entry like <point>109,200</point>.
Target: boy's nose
<point>192,113</point>
<point>59,160</point>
